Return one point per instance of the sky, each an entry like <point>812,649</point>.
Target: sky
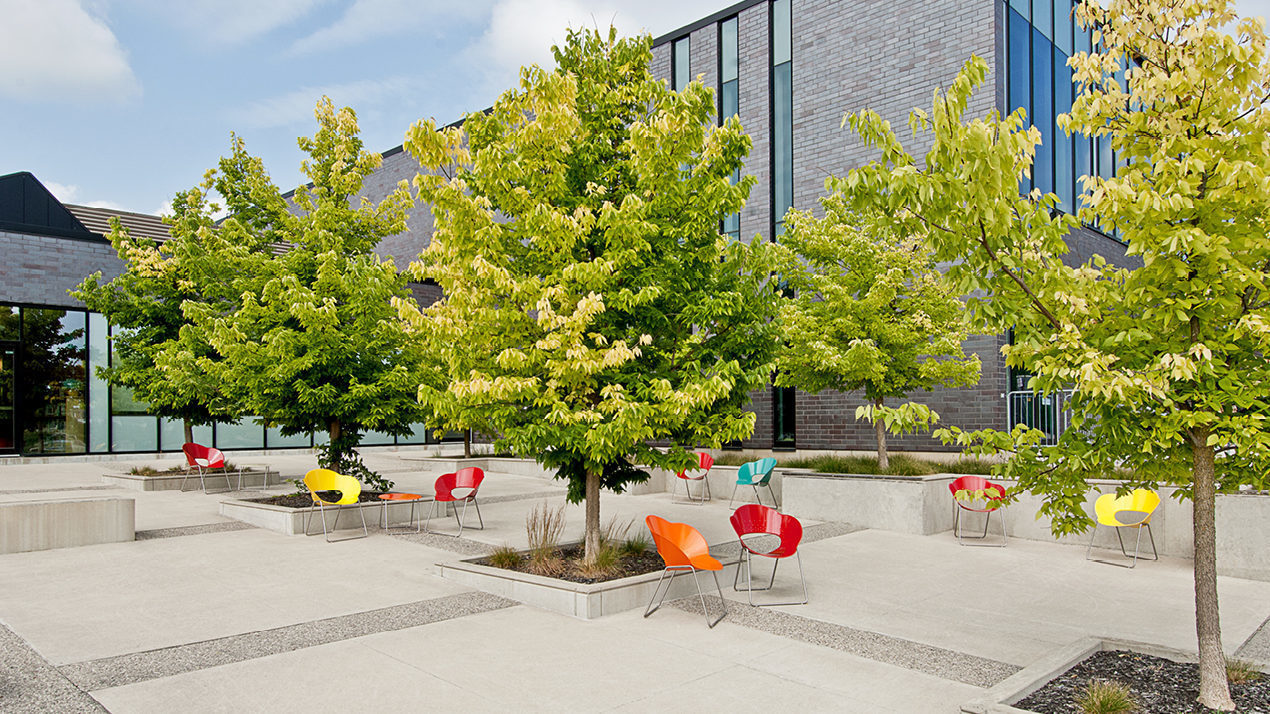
<point>122,103</point>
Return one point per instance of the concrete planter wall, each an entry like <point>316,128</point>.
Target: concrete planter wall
<point>585,601</point>
<point>922,505</point>
<point>290,521</point>
<point>172,481</point>
<point>65,523</point>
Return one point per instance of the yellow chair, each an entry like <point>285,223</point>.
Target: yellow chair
<point>319,480</point>
<point>1131,511</point>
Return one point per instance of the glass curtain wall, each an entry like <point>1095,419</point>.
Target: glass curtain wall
<point>729,101</point>
<point>784,399</point>
<point>53,401</point>
<point>1040,37</point>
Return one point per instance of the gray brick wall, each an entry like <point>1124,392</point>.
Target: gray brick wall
<point>39,270</point>
<point>404,247</point>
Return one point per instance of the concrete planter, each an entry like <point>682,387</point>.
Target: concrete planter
<point>585,601</point>
<point>260,478</point>
<point>1001,698</point>
<point>65,523</point>
<point>290,521</point>
<point>908,504</point>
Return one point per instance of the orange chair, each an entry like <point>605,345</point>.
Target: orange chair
<point>704,463</point>
<point>205,459</point>
<point>683,549</point>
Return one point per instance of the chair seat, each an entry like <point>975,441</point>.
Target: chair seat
<point>964,507</point>
<point>706,562</point>
<point>399,496</point>
<point>686,477</point>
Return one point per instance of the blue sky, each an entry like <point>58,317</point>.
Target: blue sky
<point>121,103</point>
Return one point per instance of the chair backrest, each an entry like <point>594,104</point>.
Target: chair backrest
<point>327,480</point>
<point>214,457</point>
<point>756,472</point>
<point>470,477</point>
<point>1140,501</point>
<point>677,543</point>
<point>975,483</point>
<point>704,463</point>
<point>754,518</point>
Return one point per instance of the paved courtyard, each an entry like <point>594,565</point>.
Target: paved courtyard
<point>203,614</point>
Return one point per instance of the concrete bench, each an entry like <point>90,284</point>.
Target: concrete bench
<point>65,523</point>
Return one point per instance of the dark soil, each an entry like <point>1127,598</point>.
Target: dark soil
<point>1160,686</point>
<point>627,565</point>
<point>302,500</point>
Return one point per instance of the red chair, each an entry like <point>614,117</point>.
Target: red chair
<point>971,485</point>
<point>469,480</point>
<point>204,459</point>
<point>683,549</point>
<point>756,519</point>
<point>704,463</point>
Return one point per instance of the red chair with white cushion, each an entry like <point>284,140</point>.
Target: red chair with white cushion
<point>468,482</point>
<point>204,460</point>
<point>704,463</point>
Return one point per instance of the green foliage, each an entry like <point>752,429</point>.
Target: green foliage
<point>900,465</point>
<point>1106,698</point>
<point>309,340</point>
<point>869,312</point>
<point>636,545</point>
<point>1240,671</point>
<point>544,526</point>
<point>506,557</point>
<point>596,306</point>
<point>340,455</point>
<point>605,562</point>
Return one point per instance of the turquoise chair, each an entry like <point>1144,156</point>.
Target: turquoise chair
<point>755,474</point>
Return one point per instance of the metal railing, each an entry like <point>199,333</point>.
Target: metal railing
<point>1047,412</point>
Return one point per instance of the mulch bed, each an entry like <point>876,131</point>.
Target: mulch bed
<point>628,565</point>
<point>302,500</point>
<point>1160,686</point>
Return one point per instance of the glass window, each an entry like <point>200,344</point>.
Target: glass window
<point>242,434</point>
<point>134,433</point>
<point>275,440</point>
<point>8,385</point>
<point>10,323</point>
<point>782,39</point>
<point>420,435</point>
<point>783,142</point>
<point>172,434</point>
<point>784,416</point>
<point>1020,93</point>
<point>679,58</point>
<point>1063,25</point>
<point>52,387</point>
<point>1043,18</point>
<point>1062,142</point>
<point>98,387</point>
<point>729,58</point>
<point>377,438</point>
<point>1084,39</point>
<point>1022,7</point>
<point>1043,112</point>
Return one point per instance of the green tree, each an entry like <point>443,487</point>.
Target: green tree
<point>1167,361</point>
<point>153,356</point>
<point>869,312</point>
<point>312,342</point>
<point>577,241</point>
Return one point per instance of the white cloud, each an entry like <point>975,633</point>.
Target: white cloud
<point>296,107</point>
<point>64,192</point>
<point>232,22</point>
<point>521,32</point>
<point>106,204</point>
<point>369,19</point>
<point>54,50</point>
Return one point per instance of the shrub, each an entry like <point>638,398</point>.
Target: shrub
<point>1240,672</point>
<point>506,557</point>
<point>1106,698</point>
<point>614,533</point>
<point>605,564</point>
<point>637,544</point>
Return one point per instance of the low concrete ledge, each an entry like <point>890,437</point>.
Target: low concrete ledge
<point>908,504</point>
<point>290,521</point>
<point>261,478</point>
<point>581,600</point>
<point>1001,698</point>
<point>66,523</point>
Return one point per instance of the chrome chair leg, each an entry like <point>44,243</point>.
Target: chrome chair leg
<point>773,494</point>
<point>733,496</point>
<point>702,595</point>
<point>650,609</point>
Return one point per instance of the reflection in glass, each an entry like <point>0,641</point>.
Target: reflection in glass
<point>8,366</point>
<point>242,434</point>
<point>98,387</point>
<point>784,415</point>
<point>1043,111</point>
<point>679,58</point>
<point>1062,142</point>
<point>274,439</point>
<point>134,433</point>
<point>51,394</point>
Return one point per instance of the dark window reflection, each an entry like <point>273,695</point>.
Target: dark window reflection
<point>51,392</point>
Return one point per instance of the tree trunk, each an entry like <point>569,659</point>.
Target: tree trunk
<point>337,457</point>
<point>879,426</point>
<point>467,443</point>
<point>189,431</point>
<point>1214,692</point>
<point>592,517</point>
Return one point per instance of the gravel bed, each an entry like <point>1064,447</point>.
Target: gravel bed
<point>1160,686</point>
<point>628,565</point>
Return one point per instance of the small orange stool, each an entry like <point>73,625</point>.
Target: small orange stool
<point>388,498</point>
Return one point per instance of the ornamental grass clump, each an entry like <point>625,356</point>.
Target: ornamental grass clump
<point>544,526</point>
<point>1106,698</point>
<point>1240,672</point>
<point>506,557</point>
